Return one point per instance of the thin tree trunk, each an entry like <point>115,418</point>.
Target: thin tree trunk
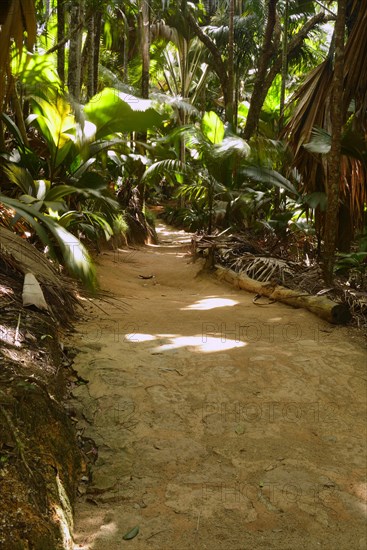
<point>258,94</point>
<point>60,38</point>
<point>125,77</point>
<point>90,43</point>
<point>145,79</point>
<point>75,50</point>
<point>284,65</point>
<point>276,67</point>
<point>333,165</point>
<point>97,49</point>
<point>185,94</point>
<point>229,107</point>
<point>145,46</point>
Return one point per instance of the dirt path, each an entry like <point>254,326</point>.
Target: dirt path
<point>219,424</point>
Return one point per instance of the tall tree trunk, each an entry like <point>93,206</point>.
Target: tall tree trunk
<point>229,107</point>
<point>60,38</point>
<point>145,46</point>
<point>90,43</point>
<point>97,49</point>
<point>125,77</point>
<point>284,65</point>
<point>184,92</point>
<point>333,164</point>
<point>259,93</point>
<point>75,50</point>
<point>145,58</point>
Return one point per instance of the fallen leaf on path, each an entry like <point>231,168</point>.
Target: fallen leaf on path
<point>131,534</point>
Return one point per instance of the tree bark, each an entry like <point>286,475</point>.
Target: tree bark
<point>145,47</point>
<point>284,73</point>
<point>97,49</point>
<point>75,50</point>
<point>90,43</point>
<point>229,107</point>
<point>276,67</point>
<point>60,38</point>
<point>337,314</point>
<point>258,94</point>
<point>333,164</point>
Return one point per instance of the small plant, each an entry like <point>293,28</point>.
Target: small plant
<point>354,261</point>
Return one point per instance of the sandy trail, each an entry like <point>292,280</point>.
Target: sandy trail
<point>219,424</point>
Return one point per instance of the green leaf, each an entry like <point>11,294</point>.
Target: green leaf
<point>232,146</point>
<point>317,199</point>
<point>91,181</point>
<point>56,121</point>
<point>269,177</point>
<point>75,256</point>
<point>21,177</point>
<point>113,111</point>
<point>131,534</point>
<point>59,191</point>
<point>13,129</point>
<point>69,217</point>
<point>213,127</point>
<point>170,168</point>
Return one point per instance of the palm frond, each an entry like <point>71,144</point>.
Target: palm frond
<point>169,168</point>
<point>75,256</point>
<point>262,268</point>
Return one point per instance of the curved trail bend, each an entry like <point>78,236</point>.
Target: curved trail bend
<point>219,424</point>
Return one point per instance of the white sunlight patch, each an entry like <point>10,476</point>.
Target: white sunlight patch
<point>200,344</point>
<point>210,303</point>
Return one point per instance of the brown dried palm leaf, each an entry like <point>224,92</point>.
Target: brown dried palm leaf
<point>262,268</point>
<point>16,18</point>
<point>313,110</point>
<point>22,257</point>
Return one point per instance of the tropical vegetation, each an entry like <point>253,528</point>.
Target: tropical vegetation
<point>241,114</point>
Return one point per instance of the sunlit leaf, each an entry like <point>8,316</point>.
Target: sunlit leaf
<point>213,127</point>
<point>75,256</point>
<point>114,111</point>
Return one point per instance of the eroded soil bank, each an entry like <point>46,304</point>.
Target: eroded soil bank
<point>219,424</point>
<point>40,461</point>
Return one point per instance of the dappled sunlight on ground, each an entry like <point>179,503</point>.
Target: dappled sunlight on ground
<point>105,532</point>
<point>210,303</point>
<point>139,337</point>
<point>200,343</point>
<point>172,236</point>
<point>229,422</point>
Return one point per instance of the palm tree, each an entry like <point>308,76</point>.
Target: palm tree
<point>333,163</point>
<point>313,102</point>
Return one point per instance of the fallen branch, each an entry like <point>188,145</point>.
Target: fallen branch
<point>322,306</point>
